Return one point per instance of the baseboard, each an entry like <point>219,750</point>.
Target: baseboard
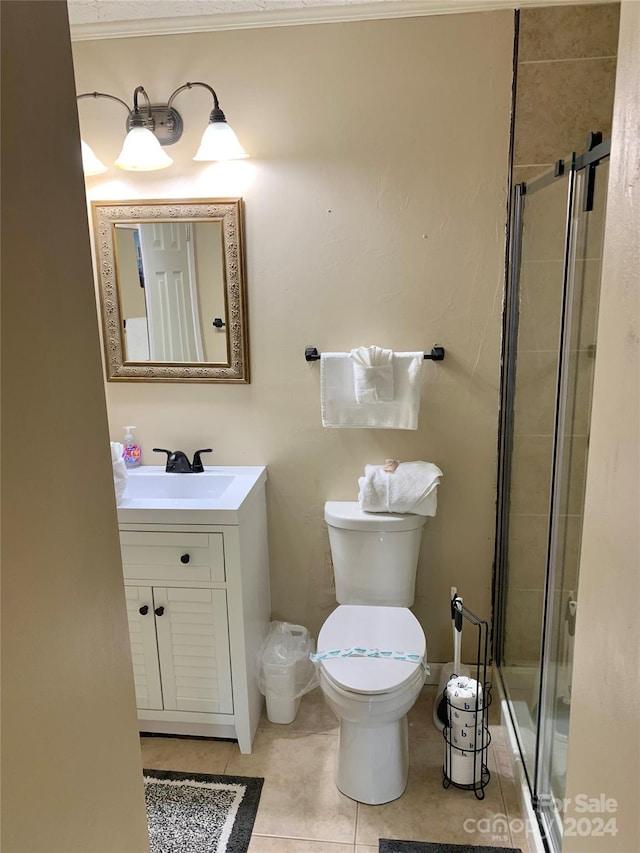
<point>435,669</point>
<point>434,674</point>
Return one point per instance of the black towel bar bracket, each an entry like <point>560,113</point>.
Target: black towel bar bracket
<point>436,354</point>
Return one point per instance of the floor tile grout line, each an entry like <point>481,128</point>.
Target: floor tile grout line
<point>566,59</point>
<point>504,802</point>
<point>345,844</point>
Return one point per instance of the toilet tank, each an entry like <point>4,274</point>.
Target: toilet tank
<point>375,555</point>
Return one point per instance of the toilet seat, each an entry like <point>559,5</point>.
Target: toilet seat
<point>387,629</point>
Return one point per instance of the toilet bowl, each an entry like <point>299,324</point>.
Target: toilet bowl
<point>371,689</point>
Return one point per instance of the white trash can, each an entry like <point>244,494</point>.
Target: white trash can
<point>285,651</point>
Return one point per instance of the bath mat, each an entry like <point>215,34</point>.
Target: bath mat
<point>200,813</point>
<point>387,845</point>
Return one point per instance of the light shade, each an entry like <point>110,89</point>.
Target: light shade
<point>219,142</point>
<point>141,152</point>
<point>90,163</point>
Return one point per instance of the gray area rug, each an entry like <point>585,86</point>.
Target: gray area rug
<point>388,845</point>
<point>200,813</point>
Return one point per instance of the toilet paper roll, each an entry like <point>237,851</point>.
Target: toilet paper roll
<point>464,719</point>
<point>464,693</point>
<point>464,698</point>
<point>467,738</point>
<point>464,768</point>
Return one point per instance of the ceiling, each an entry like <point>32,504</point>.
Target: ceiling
<point>84,14</point>
<point>96,19</point>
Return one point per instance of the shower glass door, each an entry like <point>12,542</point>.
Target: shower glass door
<point>534,352</point>
<point>577,354</point>
<point>549,358</point>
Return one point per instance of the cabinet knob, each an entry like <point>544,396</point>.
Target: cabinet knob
<point>144,610</point>
<point>159,611</point>
<point>185,558</point>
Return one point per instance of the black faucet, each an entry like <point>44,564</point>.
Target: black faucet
<point>198,467</point>
<point>178,462</point>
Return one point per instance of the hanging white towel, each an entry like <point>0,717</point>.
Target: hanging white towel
<point>412,487</point>
<point>341,409</point>
<point>373,374</point>
<point>119,470</point>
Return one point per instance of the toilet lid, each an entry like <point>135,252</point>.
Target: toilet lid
<point>348,515</point>
<point>388,629</point>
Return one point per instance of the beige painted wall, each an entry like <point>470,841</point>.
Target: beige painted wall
<point>375,211</point>
<point>604,745</point>
<point>71,775</point>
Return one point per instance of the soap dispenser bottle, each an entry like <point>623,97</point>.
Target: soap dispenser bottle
<point>131,452</point>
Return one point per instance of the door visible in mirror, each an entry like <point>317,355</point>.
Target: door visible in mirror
<point>171,282</point>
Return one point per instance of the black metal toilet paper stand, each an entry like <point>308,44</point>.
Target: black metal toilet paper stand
<point>475,755</point>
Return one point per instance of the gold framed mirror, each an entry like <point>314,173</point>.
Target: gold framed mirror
<point>172,289</point>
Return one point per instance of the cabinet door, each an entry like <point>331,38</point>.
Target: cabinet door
<point>193,648</point>
<point>144,649</point>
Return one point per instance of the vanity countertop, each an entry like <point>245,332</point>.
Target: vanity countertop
<point>214,496</point>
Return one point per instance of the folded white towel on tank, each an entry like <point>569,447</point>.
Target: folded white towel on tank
<point>412,488</point>
<point>341,409</point>
<point>373,374</point>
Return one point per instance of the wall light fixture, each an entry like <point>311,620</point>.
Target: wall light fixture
<point>153,126</point>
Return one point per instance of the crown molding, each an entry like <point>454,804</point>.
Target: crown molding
<point>288,17</point>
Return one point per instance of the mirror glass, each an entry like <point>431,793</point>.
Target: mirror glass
<point>172,289</point>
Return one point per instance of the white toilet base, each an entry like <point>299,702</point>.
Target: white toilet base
<point>373,761</point>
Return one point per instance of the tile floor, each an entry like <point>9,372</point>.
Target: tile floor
<point>302,811</point>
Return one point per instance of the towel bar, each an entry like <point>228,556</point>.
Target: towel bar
<point>436,354</point>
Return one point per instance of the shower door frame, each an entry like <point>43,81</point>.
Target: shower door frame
<point>597,152</point>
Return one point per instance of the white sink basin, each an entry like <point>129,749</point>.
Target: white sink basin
<point>213,496</point>
<point>145,483</point>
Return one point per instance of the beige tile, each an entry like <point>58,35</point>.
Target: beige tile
<point>529,173</point>
<point>545,220</point>
<point>269,844</point>
<point>574,472</point>
<point>523,625</point>
<point>428,812</point>
<point>527,551</point>
<point>535,392</point>
<point>558,103</point>
<point>314,715</point>
<point>531,474</point>
<point>299,797</point>
<point>580,373</point>
<point>189,755</point>
<point>557,32</point>
<point>569,537</point>
<point>541,284</point>
<point>588,277</point>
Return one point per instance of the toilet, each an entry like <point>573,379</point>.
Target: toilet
<point>371,651</point>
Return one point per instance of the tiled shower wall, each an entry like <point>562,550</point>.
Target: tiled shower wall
<point>565,87</point>
<point>565,83</point>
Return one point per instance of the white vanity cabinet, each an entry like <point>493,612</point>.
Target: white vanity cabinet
<point>199,607</point>
<point>180,649</point>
